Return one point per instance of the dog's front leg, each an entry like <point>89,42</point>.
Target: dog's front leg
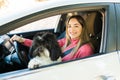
<point>34,63</point>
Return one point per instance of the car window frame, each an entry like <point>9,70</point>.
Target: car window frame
<point>117,7</point>
<point>61,10</point>
<point>110,30</point>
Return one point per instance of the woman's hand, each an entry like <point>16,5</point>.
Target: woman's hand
<point>17,38</point>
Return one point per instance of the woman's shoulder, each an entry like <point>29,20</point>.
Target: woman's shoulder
<point>86,46</point>
<point>85,50</point>
<point>61,42</point>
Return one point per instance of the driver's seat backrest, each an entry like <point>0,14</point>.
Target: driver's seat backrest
<point>94,26</point>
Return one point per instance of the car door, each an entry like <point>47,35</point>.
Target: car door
<point>118,26</point>
<point>103,65</point>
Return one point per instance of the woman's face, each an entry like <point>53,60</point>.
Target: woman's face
<point>74,28</point>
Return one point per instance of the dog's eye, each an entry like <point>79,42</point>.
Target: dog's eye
<point>40,49</point>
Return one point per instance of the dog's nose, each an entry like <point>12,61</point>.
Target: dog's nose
<point>40,49</point>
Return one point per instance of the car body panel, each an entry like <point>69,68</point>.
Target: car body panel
<point>47,4</point>
<point>87,69</point>
<point>105,63</point>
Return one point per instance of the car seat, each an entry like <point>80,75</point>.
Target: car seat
<point>94,26</point>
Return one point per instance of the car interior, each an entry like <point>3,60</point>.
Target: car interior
<point>94,25</point>
<point>20,58</point>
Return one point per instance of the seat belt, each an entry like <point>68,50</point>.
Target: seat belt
<point>66,52</point>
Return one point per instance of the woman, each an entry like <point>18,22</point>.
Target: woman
<point>76,43</point>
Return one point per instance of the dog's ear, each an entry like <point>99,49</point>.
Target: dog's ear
<point>31,51</point>
<point>55,53</point>
<point>53,46</point>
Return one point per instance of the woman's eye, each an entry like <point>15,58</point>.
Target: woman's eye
<point>69,26</point>
<point>76,26</point>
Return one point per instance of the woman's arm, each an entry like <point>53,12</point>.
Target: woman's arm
<point>27,42</point>
<point>24,41</point>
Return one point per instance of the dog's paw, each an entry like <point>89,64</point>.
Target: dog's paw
<point>34,63</point>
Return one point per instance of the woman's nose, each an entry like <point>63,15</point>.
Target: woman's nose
<point>72,28</point>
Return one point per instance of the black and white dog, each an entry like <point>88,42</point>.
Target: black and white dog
<point>44,50</point>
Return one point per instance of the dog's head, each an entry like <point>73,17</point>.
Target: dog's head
<point>45,41</point>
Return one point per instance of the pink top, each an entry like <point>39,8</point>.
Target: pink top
<point>27,42</point>
<point>84,51</point>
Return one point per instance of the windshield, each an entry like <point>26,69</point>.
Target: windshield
<point>46,23</point>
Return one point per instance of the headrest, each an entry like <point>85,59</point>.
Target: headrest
<point>94,23</point>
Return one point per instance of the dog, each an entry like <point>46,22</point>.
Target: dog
<point>44,50</point>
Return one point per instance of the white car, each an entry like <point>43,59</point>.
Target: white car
<point>103,21</point>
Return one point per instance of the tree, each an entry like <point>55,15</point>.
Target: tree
<point>2,3</point>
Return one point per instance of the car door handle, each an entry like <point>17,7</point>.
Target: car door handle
<point>104,77</point>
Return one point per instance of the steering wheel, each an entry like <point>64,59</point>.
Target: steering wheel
<point>22,55</point>
<point>13,52</point>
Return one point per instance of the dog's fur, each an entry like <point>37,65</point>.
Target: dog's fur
<point>44,50</point>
